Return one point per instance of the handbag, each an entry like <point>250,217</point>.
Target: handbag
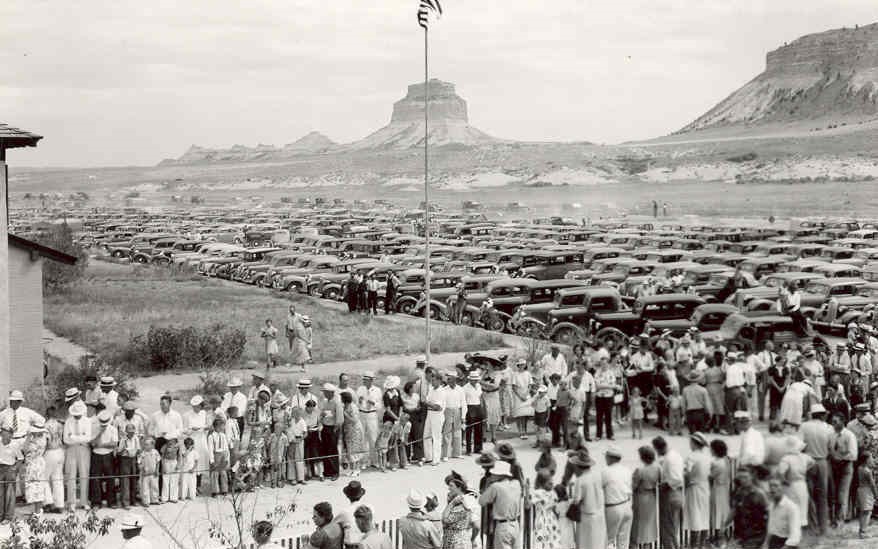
<point>572,513</point>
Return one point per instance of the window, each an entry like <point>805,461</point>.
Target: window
<point>841,290</point>
<point>571,300</point>
<point>602,304</point>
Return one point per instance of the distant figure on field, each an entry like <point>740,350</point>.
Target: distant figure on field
<point>269,334</point>
<point>298,328</point>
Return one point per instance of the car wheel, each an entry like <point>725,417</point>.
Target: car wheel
<point>141,259</point>
<point>529,329</point>
<point>565,336</point>
<point>496,325</point>
<point>611,337</point>
<point>332,294</point>
<point>314,291</point>
<point>117,253</point>
<point>406,307</point>
<point>466,319</point>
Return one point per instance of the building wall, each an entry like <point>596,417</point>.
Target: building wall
<point>4,289</point>
<point>26,331</point>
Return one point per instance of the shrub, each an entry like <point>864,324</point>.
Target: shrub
<point>746,157</point>
<point>68,532</point>
<point>172,347</point>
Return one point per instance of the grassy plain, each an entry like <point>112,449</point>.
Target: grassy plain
<point>117,302</point>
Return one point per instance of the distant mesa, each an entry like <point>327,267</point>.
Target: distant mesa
<point>448,125</point>
<point>831,75</point>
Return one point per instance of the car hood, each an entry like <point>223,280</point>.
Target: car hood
<point>673,325</point>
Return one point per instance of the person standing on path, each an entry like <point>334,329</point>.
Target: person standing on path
<point>784,529</point>
<point>644,484</point>
<point>269,335</point>
<point>390,294</point>
<point>752,450</point>
<point>586,491</point>
<point>435,403</point>
<point>843,454</point>
<point>696,404</point>
<point>552,363</point>
<point>735,384</point>
<point>817,435</point>
<point>504,495</point>
<point>670,493</point>
<point>372,294</point>
<point>455,412</point>
<point>416,531</point>
<point>299,337</point>
<point>332,416</point>
<point>749,511</point>
<point>606,387</point>
<point>77,458</point>
<point>369,401</point>
<point>475,413</point>
<point>616,480</point>
<point>697,491</point>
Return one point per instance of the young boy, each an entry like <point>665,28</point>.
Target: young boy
<point>170,476</point>
<point>278,444</point>
<point>541,406</point>
<point>128,451</point>
<point>188,468</point>
<point>399,447</point>
<point>296,433</point>
<point>562,405</point>
<point>148,462</point>
<point>10,458</point>
<point>383,445</point>
<point>312,440</point>
<point>675,412</point>
<point>637,404</point>
<point>233,436</point>
<point>218,451</point>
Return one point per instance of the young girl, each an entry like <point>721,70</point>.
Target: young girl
<point>188,468</point>
<point>148,462</point>
<point>250,465</point>
<point>675,412</point>
<point>218,444</point>
<point>269,334</point>
<point>278,444</point>
<point>170,477</point>
<point>398,450</point>
<point>637,404</point>
<point>35,467</point>
<point>296,433</point>
<point>383,445</point>
<point>867,491</point>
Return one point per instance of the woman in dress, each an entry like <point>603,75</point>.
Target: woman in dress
<point>269,335</point>
<point>792,407</point>
<point>491,401</point>
<point>644,528</point>
<point>36,483</point>
<point>457,518</point>
<point>411,402</point>
<point>543,502</point>
<point>720,488</point>
<point>793,468</point>
<point>502,375</point>
<point>352,431</point>
<point>522,408</point>
<point>195,424</point>
<point>714,380</point>
<point>298,331</point>
<point>697,490</point>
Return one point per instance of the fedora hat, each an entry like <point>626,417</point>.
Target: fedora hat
<point>505,451</point>
<point>416,500</point>
<point>257,375</point>
<point>328,387</point>
<point>699,438</point>
<point>613,451</point>
<point>863,407</point>
<point>485,460</point>
<point>71,394</point>
<point>817,409</point>
<point>694,376</point>
<point>104,416</point>
<point>581,459</point>
<point>353,489</point>
<point>368,374</point>
<point>16,395</point>
<point>131,522</point>
<point>235,382</point>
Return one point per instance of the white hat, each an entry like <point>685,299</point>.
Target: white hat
<point>77,408</point>
<point>108,381</point>
<point>304,383</point>
<point>501,468</point>
<point>416,500</point>
<point>542,389</point>
<point>16,395</point>
<point>196,400</point>
<point>105,416</point>
<point>474,376</point>
<point>329,387</point>
<point>235,382</point>
<point>391,382</point>
<point>368,373</point>
<point>817,409</point>
<point>71,393</point>
<point>742,414</point>
<point>131,522</point>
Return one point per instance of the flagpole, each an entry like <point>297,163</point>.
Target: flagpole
<point>426,210</point>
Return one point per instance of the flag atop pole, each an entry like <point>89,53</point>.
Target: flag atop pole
<point>426,9</point>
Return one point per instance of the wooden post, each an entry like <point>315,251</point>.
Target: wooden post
<point>5,313</point>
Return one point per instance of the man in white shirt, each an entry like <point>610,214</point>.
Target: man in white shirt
<point>257,387</point>
<point>671,492</point>
<point>587,387</point>
<point>553,363</point>
<point>767,358</point>
<point>77,459</point>
<point>684,351</point>
<point>435,401</point>
<point>369,403</point>
<point>698,344</point>
<point>752,451</point>
<point>475,413</point>
<point>235,397</point>
<point>735,383</point>
<point>753,366</point>
<point>103,444</point>
<point>616,480</point>
<point>109,398</point>
<point>455,411</point>
<point>300,399</point>
<point>167,424</point>
<point>784,523</point>
<point>19,418</point>
<point>641,366</point>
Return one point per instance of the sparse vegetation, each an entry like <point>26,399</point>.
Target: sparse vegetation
<point>57,276</point>
<point>746,157</point>
<point>115,303</point>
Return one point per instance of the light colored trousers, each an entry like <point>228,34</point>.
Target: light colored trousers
<point>149,489</point>
<point>77,464</point>
<point>433,436</point>
<point>295,461</point>
<point>451,435</point>
<point>187,486</point>
<point>370,434</point>
<point>170,480</point>
<point>619,519</point>
<point>507,535</point>
<point>55,476</point>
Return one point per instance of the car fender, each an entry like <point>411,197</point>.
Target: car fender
<point>760,305</point>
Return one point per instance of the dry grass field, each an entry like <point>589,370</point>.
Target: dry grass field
<point>115,303</point>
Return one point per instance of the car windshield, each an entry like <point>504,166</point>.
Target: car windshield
<point>815,288</point>
<point>717,280</point>
<point>774,282</point>
<point>621,269</point>
<point>690,278</point>
<point>732,325</point>
<point>868,292</point>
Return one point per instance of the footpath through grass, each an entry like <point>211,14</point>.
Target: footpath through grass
<point>114,303</point>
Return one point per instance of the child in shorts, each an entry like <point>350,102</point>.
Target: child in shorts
<point>383,444</point>
<point>637,404</point>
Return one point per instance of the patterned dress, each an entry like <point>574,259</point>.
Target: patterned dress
<point>491,398</point>
<point>546,527</point>
<point>35,469</point>
<point>457,525</point>
<point>352,430</point>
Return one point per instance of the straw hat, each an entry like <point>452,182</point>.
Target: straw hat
<point>416,500</point>
<point>78,408</point>
<point>197,400</point>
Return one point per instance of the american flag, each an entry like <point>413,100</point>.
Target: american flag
<point>425,8</point>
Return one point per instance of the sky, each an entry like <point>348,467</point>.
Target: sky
<point>130,83</point>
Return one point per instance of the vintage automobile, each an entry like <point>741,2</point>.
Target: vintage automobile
<point>749,331</point>
<point>861,257</point>
<point>838,270</point>
<point>614,328</point>
<point>532,319</point>
<point>296,280</point>
<point>255,273</point>
<point>331,285</point>
<point>815,291</point>
<point>800,266</point>
<point>834,316</point>
<point>622,270</point>
<point>165,254</point>
<point>408,295</point>
<point>229,268</point>
<point>445,301</point>
<point>761,266</point>
<point>701,274</point>
<point>570,324</point>
<point>547,265</point>
<point>707,317</point>
<point>508,294</point>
